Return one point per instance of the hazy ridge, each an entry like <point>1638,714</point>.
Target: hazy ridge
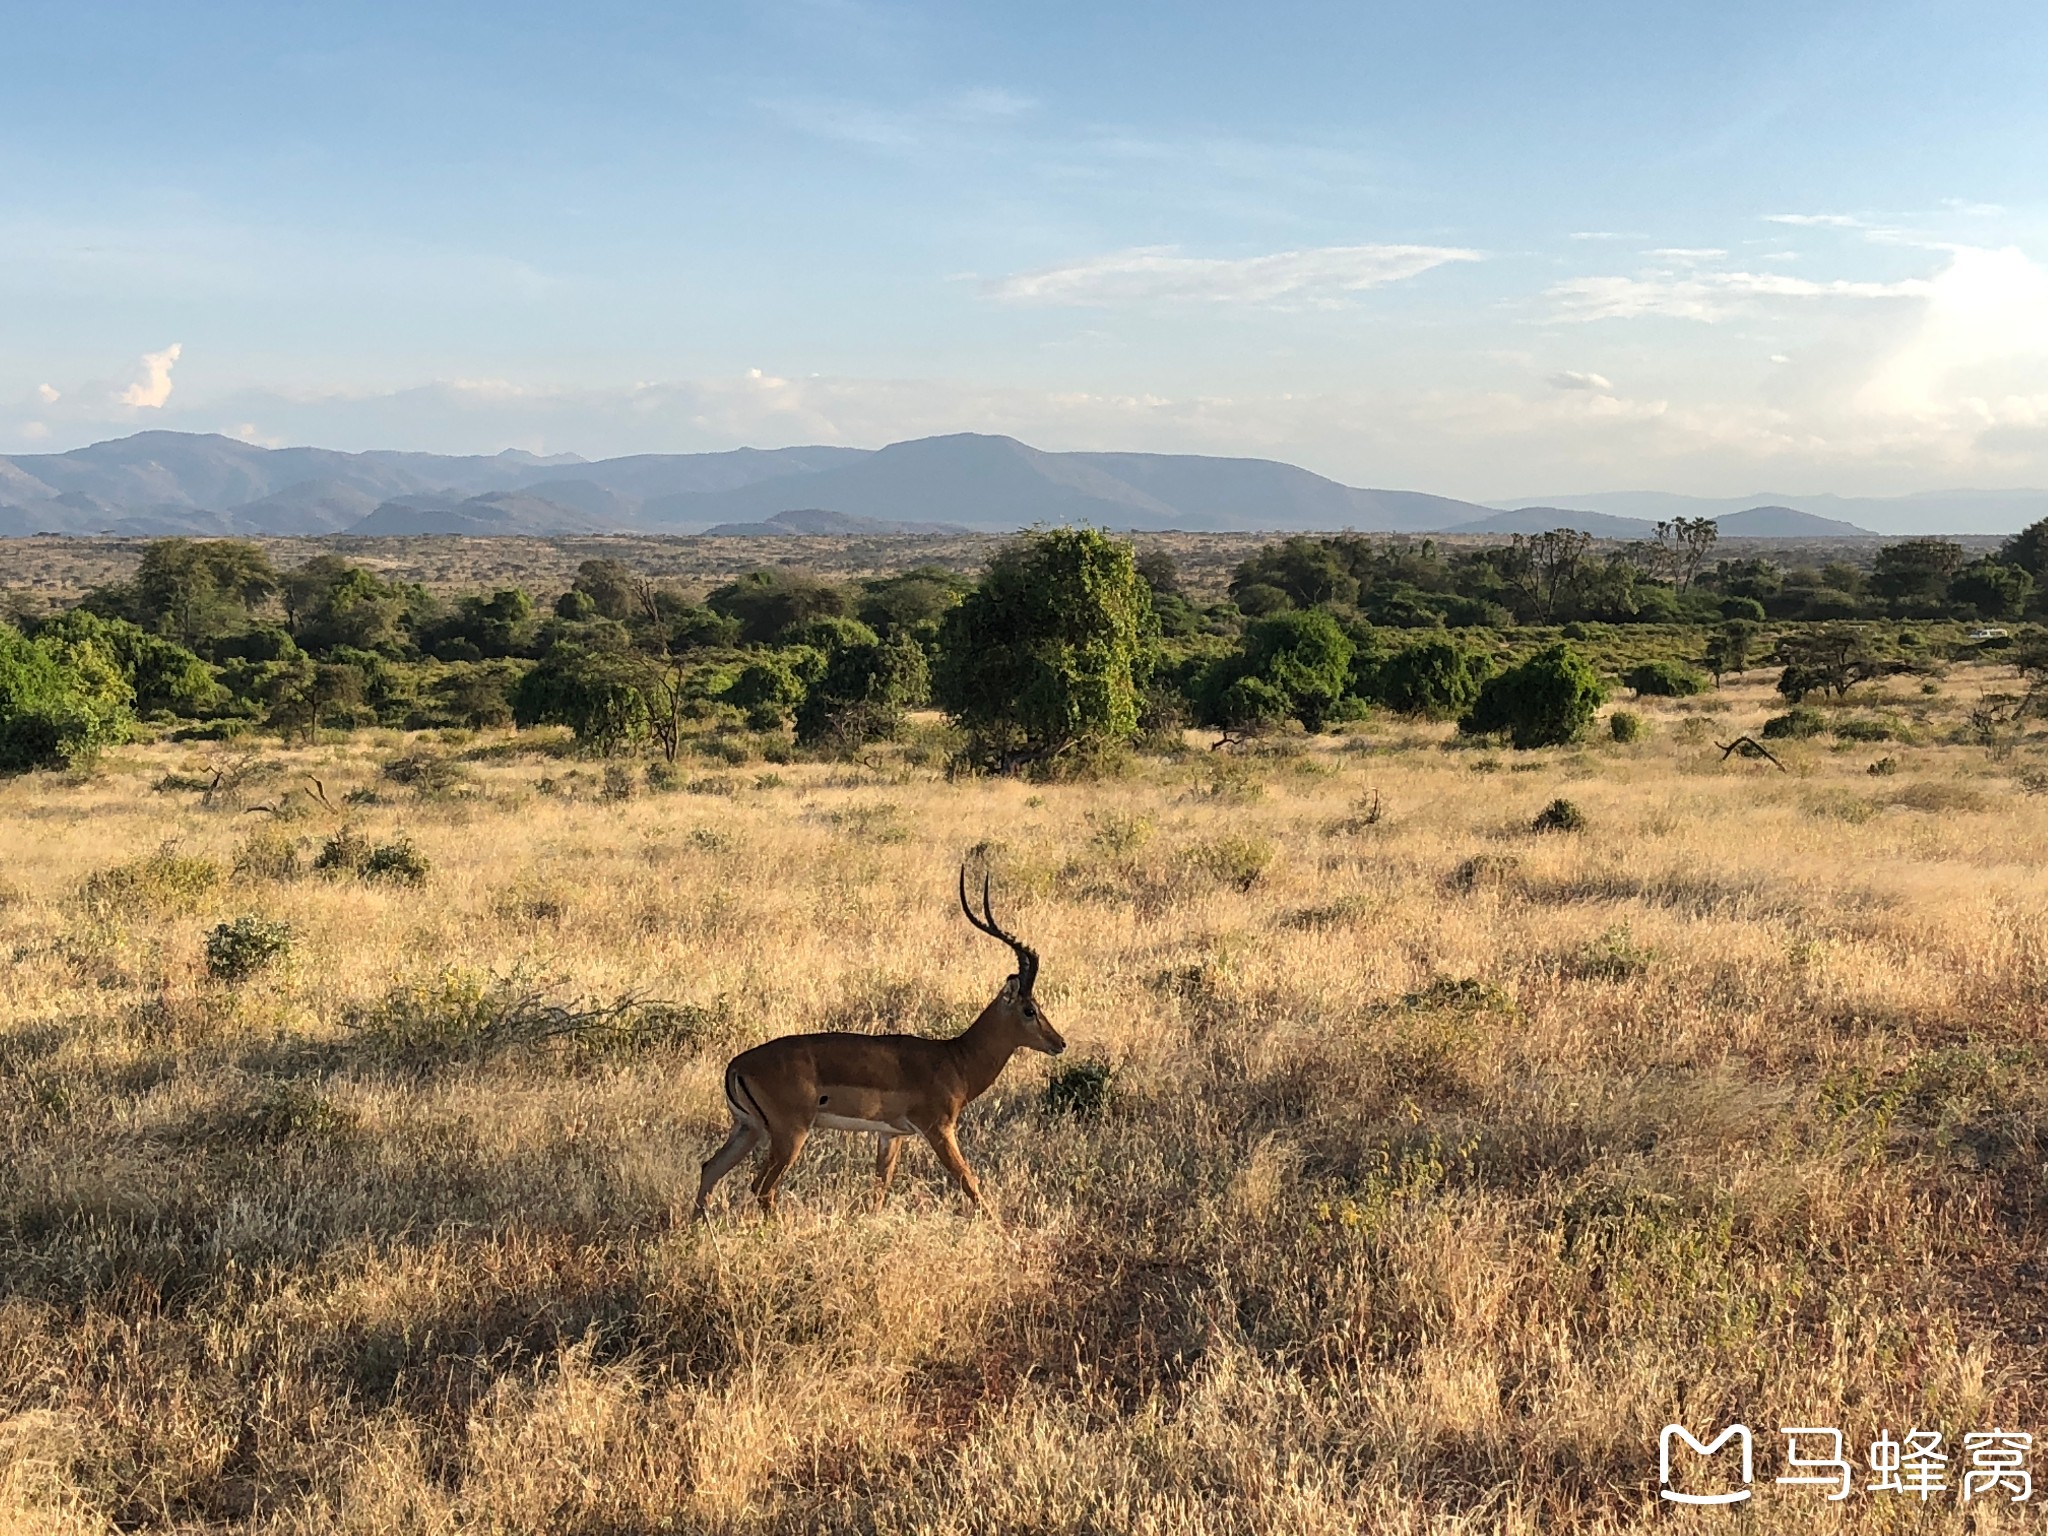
<point>176,482</point>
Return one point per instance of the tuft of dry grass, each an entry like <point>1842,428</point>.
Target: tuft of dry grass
<point>1430,1164</point>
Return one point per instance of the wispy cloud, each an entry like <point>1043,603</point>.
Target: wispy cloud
<point>910,127</point>
<point>1708,296</point>
<point>1816,220</point>
<point>1158,274</point>
<point>1571,378</point>
<point>154,387</point>
<point>1689,253</point>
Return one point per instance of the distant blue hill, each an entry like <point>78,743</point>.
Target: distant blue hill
<point>181,482</point>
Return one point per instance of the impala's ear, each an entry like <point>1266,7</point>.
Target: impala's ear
<point>1010,989</point>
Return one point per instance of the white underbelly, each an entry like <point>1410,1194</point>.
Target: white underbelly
<point>848,1123</point>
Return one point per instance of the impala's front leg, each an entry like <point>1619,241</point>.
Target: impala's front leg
<point>942,1142</point>
<point>890,1148</point>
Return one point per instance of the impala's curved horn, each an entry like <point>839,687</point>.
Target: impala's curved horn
<point>1027,957</point>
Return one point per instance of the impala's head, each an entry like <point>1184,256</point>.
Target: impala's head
<point>1014,1004</point>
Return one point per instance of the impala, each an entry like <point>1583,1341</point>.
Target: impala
<point>891,1085</point>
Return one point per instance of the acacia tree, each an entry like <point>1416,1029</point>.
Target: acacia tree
<point>1832,660</point>
<point>1728,648</point>
<point>1548,565</point>
<point>193,591</point>
<point>1050,651</point>
<point>1683,544</point>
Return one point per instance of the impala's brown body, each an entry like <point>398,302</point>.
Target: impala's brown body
<point>890,1085</point>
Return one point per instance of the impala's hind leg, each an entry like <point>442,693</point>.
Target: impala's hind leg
<point>782,1151</point>
<point>743,1140</point>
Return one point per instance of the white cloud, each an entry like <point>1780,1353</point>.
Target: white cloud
<point>154,388</point>
<point>1690,253</point>
<point>34,431</point>
<point>47,394</point>
<point>1157,273</point>
<point>1815,220</point>
<point>1571,378</point>
<point>1981,348</point>
<point>1708,296</point>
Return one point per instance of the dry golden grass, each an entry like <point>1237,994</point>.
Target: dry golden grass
<point>1444,1162</point>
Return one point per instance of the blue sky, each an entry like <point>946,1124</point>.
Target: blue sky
<point>1485,249</point>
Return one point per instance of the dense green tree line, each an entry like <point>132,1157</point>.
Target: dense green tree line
<point>1070,639</point>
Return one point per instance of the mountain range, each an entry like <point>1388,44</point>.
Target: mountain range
<point>175,482</point>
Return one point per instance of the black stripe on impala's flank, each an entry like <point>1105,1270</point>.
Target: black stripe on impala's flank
<point>751,1100</point>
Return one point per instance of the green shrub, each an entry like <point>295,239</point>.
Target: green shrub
<point>467,1014</point>
<point>1233,861</point>
<point>863,695</point>
<point>267,854</point>
<point>1438,678</point>
<point>1293,663</point>
<point>237,950</point>
<point>61,702</point>
<point>164,881</point>
<point>431,776</point>
<point>1546,701</point>
<point>1796,724</point>
<point>767,690</point>
<point>1624,726</point>
<point>1664,679</point>
<point>397,860</point>
<point>1080,1090</point>
<point>346,852</point>
<point>828,633</point>
<point>1560,815</point>
<point>1864,728</point>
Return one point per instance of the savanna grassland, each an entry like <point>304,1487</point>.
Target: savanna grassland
<point>1410,1167</point>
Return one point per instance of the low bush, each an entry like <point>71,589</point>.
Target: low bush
<point>1560,815</point>
<point>1624,726</point>
<point>1546,701</point>
<point>1081,1090</point>
<point>1485,871</point>
<point>1864,728</point>
<point>1796,724</point>
<point>348,852</point>
<point>344,853</point>
<point>164,881</point>
<point>1233,861</point>
<point>237,950</point>
<point>267,854</point>
<point>1664,680</point>
<point>397,860</point>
